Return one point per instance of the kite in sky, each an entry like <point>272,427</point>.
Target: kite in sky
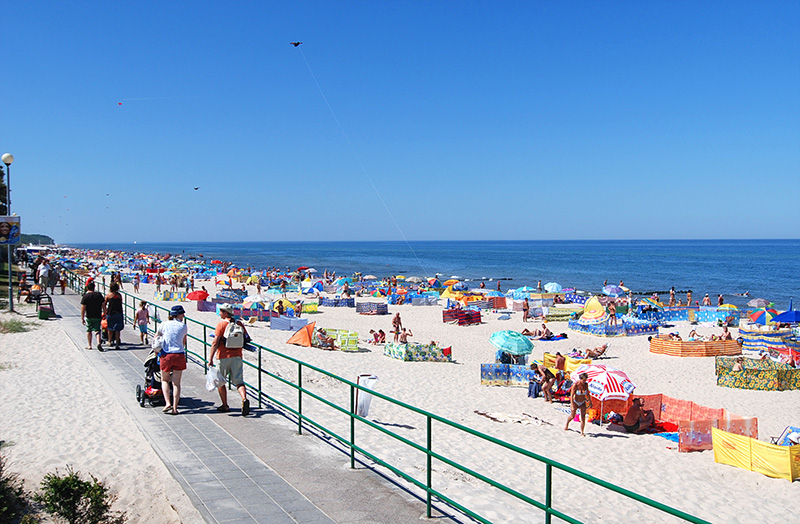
<point>295,43</point>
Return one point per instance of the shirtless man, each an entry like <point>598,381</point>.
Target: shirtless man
<point>720,300</point>
<point>637,419</point>
<point>579,400</point>
<point>706,300</point>
<point>612,313</point>
<point>726,335</point>
<point>404,336</point>
<point>397,325</point>
<point>560,361</point>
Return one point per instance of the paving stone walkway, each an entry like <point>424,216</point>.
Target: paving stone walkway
<point>237,469</point>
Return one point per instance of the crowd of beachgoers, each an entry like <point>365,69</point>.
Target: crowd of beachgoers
<point>625,453</point>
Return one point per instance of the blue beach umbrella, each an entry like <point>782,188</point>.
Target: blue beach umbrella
<point>613,291</point>
<point>788,317</point>
<point>511,342</point>
<point>552,287</point>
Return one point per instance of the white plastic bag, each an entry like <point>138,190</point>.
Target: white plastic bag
<point>214,379</point>
<point>158,341</point>
<point>363,399</point>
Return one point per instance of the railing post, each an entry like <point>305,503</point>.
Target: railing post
<point>548,494</point>
<point>299,398</point>
<point>352,427</point>
<point>205,349</point>
<point>259,377</point>
<point>429,468</point>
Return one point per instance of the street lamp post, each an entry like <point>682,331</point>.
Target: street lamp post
<point>8,159</point>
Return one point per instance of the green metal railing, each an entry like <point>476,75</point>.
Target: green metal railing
<point>130,304</point>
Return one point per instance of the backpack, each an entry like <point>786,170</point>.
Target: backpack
<point>234,336</point>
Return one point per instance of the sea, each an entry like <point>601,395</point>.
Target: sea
<point>767,269</point>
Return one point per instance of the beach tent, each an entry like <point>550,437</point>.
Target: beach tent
<point>594,312</point>
<point>303,336</point>
<point>287,305</point>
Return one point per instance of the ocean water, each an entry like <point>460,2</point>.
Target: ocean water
<point>765,268</point>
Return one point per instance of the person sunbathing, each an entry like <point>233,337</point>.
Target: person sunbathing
<point>694,336</point>
<point>637,419</point>
<point>325,342</point>
<point>739,365</point>
<point>597,352</point>
<point>535,333</point>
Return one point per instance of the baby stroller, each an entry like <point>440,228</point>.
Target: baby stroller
<point>151,389</point>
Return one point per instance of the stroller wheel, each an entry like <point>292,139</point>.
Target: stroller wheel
<point>138,392</point>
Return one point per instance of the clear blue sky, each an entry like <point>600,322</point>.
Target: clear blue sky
<point>472,120</point>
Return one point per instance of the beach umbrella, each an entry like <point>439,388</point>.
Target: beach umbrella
<point>400,277</point>
<point>552,287</point>
<point>197,295</point>
<point>759,302</point>
<point>434,282</point>
<point>450,282</point>
<point>460,286</point>
<point>370,277</point>
<point>341,280</point>
<point>216,262</point>
<point>494,294</point>
<point>606,383</point>
<point>788,317</point>
<point>763,316</point>
<point>511,342</point>
<point>302,268</point>
<point>728,306</point>
<point>414,280</point>
<point>613,291</point>
<point>224,280</point>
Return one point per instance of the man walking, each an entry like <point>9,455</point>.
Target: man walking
<point>92,314</point>
<point>230,361</point>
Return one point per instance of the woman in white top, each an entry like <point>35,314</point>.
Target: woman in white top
<point>173,356</point>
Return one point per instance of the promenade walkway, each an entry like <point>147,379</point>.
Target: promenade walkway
<point>248,470</point>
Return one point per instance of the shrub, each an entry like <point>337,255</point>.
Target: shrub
<point>12,495</point>
<point>13,326</point>
<point>78,501</point>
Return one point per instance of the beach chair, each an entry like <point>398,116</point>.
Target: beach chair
<point>252,320</point>
<point>783,438</point>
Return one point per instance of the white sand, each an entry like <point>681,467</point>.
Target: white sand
<point>58,411</point>
<point>646,464</point>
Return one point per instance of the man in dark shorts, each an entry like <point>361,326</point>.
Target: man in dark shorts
<point>637,419</point>
<point>92,314</point>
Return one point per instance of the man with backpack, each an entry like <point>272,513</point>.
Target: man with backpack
<point>228,342</point>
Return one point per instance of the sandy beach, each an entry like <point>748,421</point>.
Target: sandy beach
<point>646,464</point>
<point>58,411</point>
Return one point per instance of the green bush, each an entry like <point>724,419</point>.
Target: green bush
<point>12,495</point>
<point>78,501</point>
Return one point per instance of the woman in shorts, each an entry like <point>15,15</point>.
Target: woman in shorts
<point>173,357</point>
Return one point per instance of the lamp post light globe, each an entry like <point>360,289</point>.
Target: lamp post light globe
<point>8,159</point>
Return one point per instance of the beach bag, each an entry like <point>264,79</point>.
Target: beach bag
<point>214,379</point>
<point>234,336</point>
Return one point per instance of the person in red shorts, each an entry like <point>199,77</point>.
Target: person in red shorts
<point>173,356</point>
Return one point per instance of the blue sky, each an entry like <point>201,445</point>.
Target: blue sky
<point>417,120</point>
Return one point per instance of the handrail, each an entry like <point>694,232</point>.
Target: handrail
<point>76,282</point>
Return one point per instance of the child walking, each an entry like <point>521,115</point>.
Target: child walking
<point>142,320</point>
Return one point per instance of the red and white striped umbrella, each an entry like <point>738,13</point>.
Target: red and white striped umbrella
<point>606,383</point>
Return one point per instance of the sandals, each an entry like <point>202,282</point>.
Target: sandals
<point>167,409</point>
<point>223,408</point>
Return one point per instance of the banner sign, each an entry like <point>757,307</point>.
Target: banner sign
<point>9,230</point>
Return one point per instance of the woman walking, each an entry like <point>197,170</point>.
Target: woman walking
<point>173,357</point>
<point>114,314</point>
<point>579,400</point>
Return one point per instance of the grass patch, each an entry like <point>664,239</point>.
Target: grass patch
<point>13,325</point>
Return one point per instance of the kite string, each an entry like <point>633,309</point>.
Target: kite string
<point>361,164</point>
